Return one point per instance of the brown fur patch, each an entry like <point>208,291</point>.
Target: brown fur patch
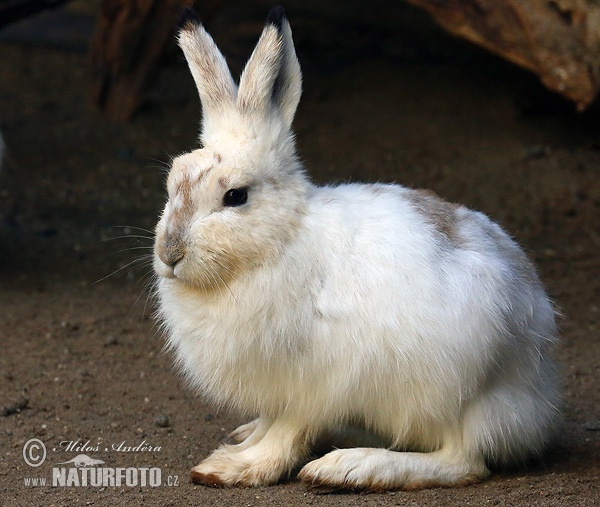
<point>170,245</point>
<point>212,480</point>
<point>377,189</point>
<point>202,176</point>
<point>184,188</point>
<point>438,212</point>
<point>183,212</point>
<point>223,182</point>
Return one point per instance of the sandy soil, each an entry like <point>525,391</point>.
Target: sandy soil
<point>81,359</point>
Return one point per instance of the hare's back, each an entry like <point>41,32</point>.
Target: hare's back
<point>395,247</point>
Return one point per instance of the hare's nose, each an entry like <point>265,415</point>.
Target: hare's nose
<point>170,252</point>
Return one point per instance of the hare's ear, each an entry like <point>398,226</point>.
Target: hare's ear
<point>209,69</point>
<point>272,77</point>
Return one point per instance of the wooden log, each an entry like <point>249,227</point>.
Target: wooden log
<point>559,40</point>
<point>131,36</point>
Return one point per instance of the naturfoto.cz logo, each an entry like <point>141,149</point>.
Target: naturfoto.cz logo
<point>83,470</point>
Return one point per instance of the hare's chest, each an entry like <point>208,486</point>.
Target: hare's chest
<point>237,336</point>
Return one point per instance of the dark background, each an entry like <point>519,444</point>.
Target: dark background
<point>387,96</point>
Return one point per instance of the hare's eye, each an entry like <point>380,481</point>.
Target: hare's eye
<point>235,197</point>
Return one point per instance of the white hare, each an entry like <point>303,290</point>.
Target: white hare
<point>371,309</point>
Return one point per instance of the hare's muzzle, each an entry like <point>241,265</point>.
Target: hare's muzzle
<point>170,251</point>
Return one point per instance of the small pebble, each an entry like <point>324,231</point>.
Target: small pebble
<point>537,151</point>
<point>592,426</point>
<point>110,340</point>
<point>15,407</point>
<point>162,421</point>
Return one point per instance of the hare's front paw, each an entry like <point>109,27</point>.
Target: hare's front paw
<point>270,450</point>
<point>229,467</point>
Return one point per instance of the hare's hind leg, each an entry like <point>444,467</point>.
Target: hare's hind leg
<point>381,469</point>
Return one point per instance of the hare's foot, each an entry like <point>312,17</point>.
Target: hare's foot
<point>381,470</point>
<point>261,459</point>
<point>232,468</point>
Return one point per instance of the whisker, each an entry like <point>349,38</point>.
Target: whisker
<point>149,248</point>
<point>226,285</point>
<point>166,154</point>
<point>133,227</point>
<point>130,236</point>
<point>135,304</point>
<point>149,293</point>
<point>144,261</point>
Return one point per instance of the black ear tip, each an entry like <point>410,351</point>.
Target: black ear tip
<point>276,16</point>
<point>188,17</point>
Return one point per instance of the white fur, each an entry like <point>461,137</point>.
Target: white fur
<point>323,308</point>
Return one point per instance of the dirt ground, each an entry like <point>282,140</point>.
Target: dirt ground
<point>81,359</point>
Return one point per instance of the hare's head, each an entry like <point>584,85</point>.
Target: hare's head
<point>235,203</point>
